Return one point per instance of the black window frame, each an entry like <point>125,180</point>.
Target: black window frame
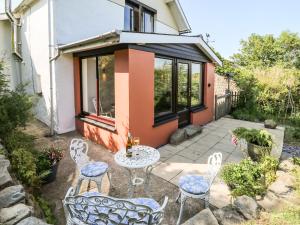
<point>158,120</point>
<point>97,116</point>
<point>142,8</point>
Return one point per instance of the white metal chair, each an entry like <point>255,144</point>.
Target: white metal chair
<point>94,208</point>
<point>198,187</point>
<point>89,170</point>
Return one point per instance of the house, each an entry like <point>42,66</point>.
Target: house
<point>106,67</point>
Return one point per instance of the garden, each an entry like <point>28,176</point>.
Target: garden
<point>267,73</point>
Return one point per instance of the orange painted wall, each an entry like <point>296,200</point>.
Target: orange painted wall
<point>134,102</point>
<point>207,115</point>
<point>111,140</point>
<point>141,105</point>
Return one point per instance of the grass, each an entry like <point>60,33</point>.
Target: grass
<point>292,136</point>
<point>288,214</point>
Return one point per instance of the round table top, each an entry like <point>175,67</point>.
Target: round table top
<point>142,156</point>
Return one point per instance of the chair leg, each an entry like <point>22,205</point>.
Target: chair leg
<point>206,203</point>
<point>182,201</point>
<point>109,177</point>
<point>177,199</point>
<point>77,189</point>
<point>99,184</point>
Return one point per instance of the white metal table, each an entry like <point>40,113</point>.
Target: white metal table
<point>142,157</point>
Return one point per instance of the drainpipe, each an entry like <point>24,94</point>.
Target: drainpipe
<point>52,58</point>
<point>15,25</point>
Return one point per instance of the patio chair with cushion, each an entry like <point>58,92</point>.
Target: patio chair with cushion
<point>89,170</point>
<point>197,186</point>
<point>97,209</point>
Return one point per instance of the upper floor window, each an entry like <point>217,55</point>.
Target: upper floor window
<point>138,17</point>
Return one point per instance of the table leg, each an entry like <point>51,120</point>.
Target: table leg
<point>147,181</point>
<point>131,186</point>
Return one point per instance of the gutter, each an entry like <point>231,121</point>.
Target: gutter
<point>15,25</point>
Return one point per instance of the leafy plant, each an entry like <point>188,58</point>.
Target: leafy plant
<point>47,210</point>
<point>257,137</point>
<point>54,154</point>
<point>18,139</point>
<point>296,161</point>
<point>24,165</point>
<point>244,178</point>
<point>268,166</point>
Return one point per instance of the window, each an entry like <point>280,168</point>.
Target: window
<point>138,18</point>
<point>97,86</point>
<point>196,85</point>
<point>163,86</point>
<point>148,22</point>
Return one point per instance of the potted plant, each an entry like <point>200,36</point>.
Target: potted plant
<point>259,142</point>
<point>48,161</point>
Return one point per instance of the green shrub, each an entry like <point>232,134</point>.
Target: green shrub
<point>24,165</point>
<point>257,137</point>
<point>268,166</point>
<point>296,161</point>
<point>18,139</point>
<point>244,178</point>
<point>47,210</point>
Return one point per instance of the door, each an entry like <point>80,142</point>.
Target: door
<point>183,93</point>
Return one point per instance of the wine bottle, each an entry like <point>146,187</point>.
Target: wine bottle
<point>129,146</point>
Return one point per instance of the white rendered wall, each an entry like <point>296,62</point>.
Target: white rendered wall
<point>35,52</point>
<point>11,68</point>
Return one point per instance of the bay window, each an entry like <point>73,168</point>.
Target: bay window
<point>97,86</point>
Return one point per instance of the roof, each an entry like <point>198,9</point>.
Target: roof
<point>24,5</point>
<point>179,16</point>
<point>123,37</point>
<point>3,16</point>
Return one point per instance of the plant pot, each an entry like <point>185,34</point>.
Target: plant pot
<point>256,152</point>
<point>52,175</point>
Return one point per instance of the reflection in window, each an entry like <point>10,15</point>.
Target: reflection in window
<point>128,18</point>
<point>148,22</point>
<point>106,85</point>
<point>182,93</point>
<point>197,84</point>
<point>163,86</point>
<point>101,85</point>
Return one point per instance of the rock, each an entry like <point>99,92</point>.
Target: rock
<point>269,202</point>
<point>32,221</point>
<point>228,215</point>
<point>178,136</point>
<point>205,217</point>
<point>280,188</point>
<point>285,156</point>
<point>5,178</point>
<point>14,214</point>
<point>288,179</point>
<point>11,195</point>
<point>270,124</point>
<point>247,206</point>
<point>193,130</point>
<point>286,165</point>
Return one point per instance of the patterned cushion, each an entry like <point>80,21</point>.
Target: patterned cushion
<point>89,213</point>
<point>194,184</point>
<point>94,169</point>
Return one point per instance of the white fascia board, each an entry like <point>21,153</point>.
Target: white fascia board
<point>23,6</point>
<point>179,16</point>
<point>145,38</point>
<point>3,16</point>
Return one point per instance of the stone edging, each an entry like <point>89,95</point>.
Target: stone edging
<point>13,210</point>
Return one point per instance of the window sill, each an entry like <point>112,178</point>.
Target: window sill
<point>196,109</point>
<point>98,124</point>
<point>165,119</point>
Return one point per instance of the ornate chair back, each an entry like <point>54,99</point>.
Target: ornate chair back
<point>78,152</point>
<point>104,210</point>
<point>214,164</point>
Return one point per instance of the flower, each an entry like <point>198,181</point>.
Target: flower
<point>234,140</point>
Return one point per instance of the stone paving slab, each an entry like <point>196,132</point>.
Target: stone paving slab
<point>190,157</point>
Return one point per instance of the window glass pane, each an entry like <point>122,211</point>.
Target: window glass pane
<point>197,85</point>
<point>128,18</point>
<point>182,99</point>
<point>89,85</point>
<point>163,86</point>
<point>106,70</point>
<point>147,22</point>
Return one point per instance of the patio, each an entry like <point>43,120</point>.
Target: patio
<point>188,157</point>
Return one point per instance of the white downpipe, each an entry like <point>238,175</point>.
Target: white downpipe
<point>52,58</point>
